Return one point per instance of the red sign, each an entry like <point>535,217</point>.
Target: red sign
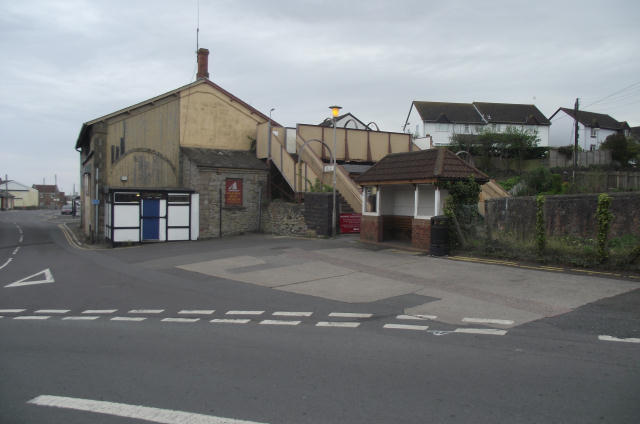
<point>349,223</point>
<point>233,192</point>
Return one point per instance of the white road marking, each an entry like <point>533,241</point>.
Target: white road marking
<point>616,339</point>
<point>292,314</point>
<point>11,311</point>
<point>6,263</point>
<point>137,412</point>
<point>231,320</point>
<point>16,250</point>
<point>338,324</point>
<point>52,311</point>
<point>48,278</point>
<point>406,327</point>
<point>99,311</point>
<point>197,311</point>
<point>488,331</point>
<point>278,322</point>
<point>128,319</point>
<point>32,317</point>
<point>244,313</point>
<point>488,321</point>
<point>21,238</point>
<point>349,315</point>
<point>416,317</point>
<point>82,318</point>
<point>180,319</point>
<point>146,311</point>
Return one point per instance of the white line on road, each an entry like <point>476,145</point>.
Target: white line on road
<point>128,319</point>
<point>11,311</point>
<point>82,318</point>
<point>99,311</point>
<point>278,322</point>
<point>52,311</point>
<point>21,238</point>
<point>180,319</point>
<point>349,315</point>
<point>292,314</point>
<point>417,317</point>
<point>406,327</point>
<point>16,250</point>
<point>488,331</point>
<point>244,313</point>
<point>488,321</point>
<point>138,412</point>
<point>6,263</point>
<point>616,339</point>
<point>146,311</point>
<point>338,324</point>
<point>32,317</point>
<point>231,320</point>
<point>197,311</point>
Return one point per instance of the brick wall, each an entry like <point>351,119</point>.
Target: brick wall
<point>371,228</point>
<point>564,215</point>
<point>421,234</point>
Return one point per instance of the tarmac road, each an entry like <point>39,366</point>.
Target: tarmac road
<point>283,330</point>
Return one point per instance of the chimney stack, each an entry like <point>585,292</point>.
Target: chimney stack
<point>203,64</point>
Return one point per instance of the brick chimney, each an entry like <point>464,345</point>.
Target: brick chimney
<point>203,64</point>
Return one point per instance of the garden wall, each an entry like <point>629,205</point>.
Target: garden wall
<point>564,215</point>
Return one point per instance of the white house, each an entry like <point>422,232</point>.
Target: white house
<point>593,128</point>
<point>434,123</point>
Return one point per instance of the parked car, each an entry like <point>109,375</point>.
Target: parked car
<point>66,210</point>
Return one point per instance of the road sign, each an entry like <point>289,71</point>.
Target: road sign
<point>95,202</point>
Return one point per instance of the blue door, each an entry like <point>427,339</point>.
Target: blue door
<point>150,219</point>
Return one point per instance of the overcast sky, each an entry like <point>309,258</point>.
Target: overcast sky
<point>68,62</point>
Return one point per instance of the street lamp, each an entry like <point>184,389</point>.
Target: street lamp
<point>335,110</point>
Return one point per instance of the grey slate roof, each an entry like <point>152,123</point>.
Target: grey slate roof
<point>424,165</point>
<point>480,113</point>
<point>444,112</point>
<point>216,158</point>
<point>593,120</point>
<point>511,113</point>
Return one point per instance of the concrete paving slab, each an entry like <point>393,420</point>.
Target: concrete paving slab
<point>221,266</point>
<point>357,287</point>
<point>381,258</point>
<point>284,275</point>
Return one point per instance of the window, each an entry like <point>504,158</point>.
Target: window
<point>594,132</point>
<point>592,147</point>
<point>466,128</point>
<point>370,197</point>
<point>179,198</point>
<point>126,197</point>
<point>442,127</point>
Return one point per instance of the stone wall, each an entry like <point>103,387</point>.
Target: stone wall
<point>283,218</point>
<point>214,214</point>
<point>564,215</point>
<point>317,212</point>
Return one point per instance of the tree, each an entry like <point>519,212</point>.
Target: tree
<point>623,149</point>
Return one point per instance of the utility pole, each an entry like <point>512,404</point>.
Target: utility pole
<point>575,141</point>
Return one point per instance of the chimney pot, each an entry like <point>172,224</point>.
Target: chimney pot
<point>203,64</point>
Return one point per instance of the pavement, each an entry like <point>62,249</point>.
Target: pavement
<point>485,292</point>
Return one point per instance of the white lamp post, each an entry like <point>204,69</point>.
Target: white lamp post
<point>335,110</point>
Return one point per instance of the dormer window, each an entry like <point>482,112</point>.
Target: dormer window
<point>594,132</point>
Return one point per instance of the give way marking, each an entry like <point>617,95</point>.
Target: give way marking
<point>27,281</point>
<point>156,415</point>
